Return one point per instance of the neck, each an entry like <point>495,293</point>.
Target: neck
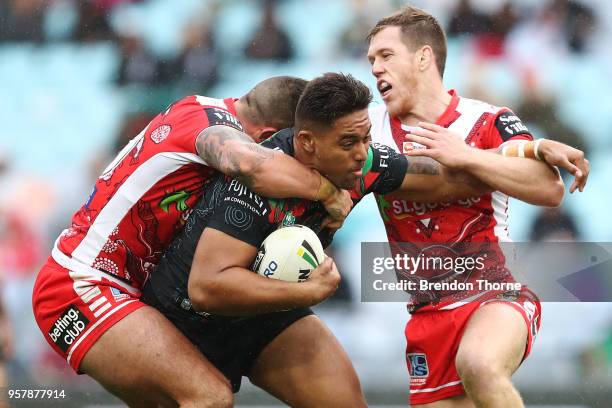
<point>431,102</point>
<point>242,110</point>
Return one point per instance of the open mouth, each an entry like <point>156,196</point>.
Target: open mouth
<point>384,88</point>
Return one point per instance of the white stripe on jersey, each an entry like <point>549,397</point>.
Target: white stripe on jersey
<point>132,190</point>
<point>206,101</point>
<point>499,201</point>
<point>83,275</point>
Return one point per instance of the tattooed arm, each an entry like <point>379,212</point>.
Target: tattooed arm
<point>268,172</point>
<point>427,181</point>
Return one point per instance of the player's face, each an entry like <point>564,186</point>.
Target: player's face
<point>341,151</point>
<point>394,66</point>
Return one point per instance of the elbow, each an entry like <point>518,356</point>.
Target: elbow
<point>553,196</point>
<point>557,194</point>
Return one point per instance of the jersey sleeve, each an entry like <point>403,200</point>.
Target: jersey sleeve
<point>383,172</point>
<point>241,214</point>
<point>185,119</point>
<point>506,126</point>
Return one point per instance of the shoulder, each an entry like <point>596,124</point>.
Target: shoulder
<point>381,126</point>
<point>281,140</point>
<point>200,109</point>
<point>377,113</point>
<point>467,105</point>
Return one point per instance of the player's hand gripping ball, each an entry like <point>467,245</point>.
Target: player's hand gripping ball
<point>289,254</point>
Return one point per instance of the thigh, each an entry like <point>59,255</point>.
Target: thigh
<point>145,355</point>
<point>305,366</point>
<point>495,338</point>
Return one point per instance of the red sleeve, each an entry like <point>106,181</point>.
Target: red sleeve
<point>505,126</point>
<point>183,121</point>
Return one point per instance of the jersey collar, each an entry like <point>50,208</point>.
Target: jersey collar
<point>231,105</point>
<point>447,118</point>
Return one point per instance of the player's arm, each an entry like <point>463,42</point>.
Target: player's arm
<point>221,283</point>
<point>532,181</point>
<point>555,154</point>
<point>426,181</point>
<point>419,179</point>
<point>268,172</point>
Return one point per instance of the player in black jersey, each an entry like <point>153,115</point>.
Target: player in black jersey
<point>249,325</point>
<point>290,354</point>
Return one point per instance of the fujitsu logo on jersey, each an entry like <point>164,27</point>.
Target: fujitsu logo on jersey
<point>403,208</point>
<point>384,154</point>
<point>242,191</point>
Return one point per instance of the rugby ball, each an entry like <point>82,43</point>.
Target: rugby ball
<point>289,254</point>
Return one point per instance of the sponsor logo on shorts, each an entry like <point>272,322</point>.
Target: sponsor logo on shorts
<point>118,295</point>
<point>417,365</point>
<point>68,327</point>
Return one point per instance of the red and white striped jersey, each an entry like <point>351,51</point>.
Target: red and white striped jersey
<point>476,219</point>
<point>144,196</point>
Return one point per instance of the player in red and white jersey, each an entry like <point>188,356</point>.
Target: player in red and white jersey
<point>457,348</point>
<point>86,297</point>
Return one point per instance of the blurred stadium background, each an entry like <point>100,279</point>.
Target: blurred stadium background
<point>78,78</point>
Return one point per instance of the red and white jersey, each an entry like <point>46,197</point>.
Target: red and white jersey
<point>476,219</point>
<point>144,196</point>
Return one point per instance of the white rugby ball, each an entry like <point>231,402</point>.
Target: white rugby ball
<point>289,254</point>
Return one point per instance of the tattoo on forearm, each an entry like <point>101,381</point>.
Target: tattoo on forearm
<point>217,146</point>
<point>423,165</point>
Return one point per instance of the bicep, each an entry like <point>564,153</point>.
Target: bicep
<point>232,152</point>
<point>214,143</point>
<point>217,251</point>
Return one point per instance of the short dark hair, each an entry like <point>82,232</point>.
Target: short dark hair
<point>273,101</point>
<point>418,28</point>
<point>330,97</point>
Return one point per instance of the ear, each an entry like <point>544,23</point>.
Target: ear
<point>264,133</point>
<point>425,58</point>
<point>306,140</point>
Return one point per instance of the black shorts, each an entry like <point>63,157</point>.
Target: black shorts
<point>230,344</point>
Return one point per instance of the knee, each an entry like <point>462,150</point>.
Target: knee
<point>478,372</point>
<point>220,396</point>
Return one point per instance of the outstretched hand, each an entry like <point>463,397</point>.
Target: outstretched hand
<point>568,158</point>
<point>443,145</point>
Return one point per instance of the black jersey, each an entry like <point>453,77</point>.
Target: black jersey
<point>232,208</point>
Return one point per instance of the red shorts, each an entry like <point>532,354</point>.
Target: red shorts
<point>433,335</point>
<point>73,309</point>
